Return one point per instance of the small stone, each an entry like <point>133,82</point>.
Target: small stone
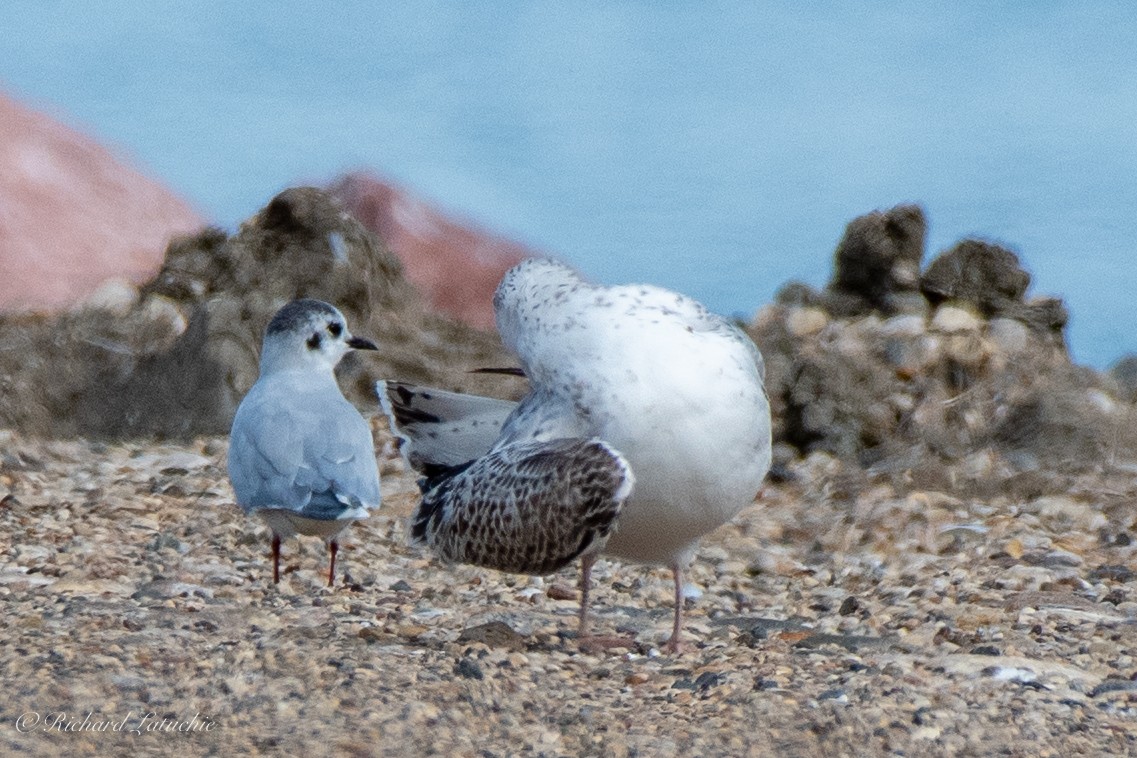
<point>493,634</point>
<point>115,296</point>
<point>1113,572</point>
<point>372,634</point>
<point>904,325</point>
<point>953,319</point>
<point>706,680</point>
<point>162,589</point>
<point>468,669</point>
<point>411,631</point>
<point>803,322</point>
<point>1009,335</point>
<point>1014,548</point>
<point>1114,685</point>
<point>836,694</point>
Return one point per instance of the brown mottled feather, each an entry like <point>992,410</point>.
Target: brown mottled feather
<point>528,507</point>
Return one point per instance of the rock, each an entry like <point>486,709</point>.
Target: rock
<point>953,319</point>
<point>877,263</point>
<point>799,294</point>
<point>467,668</point>
<point>178,363</point>
<point>1043,314</point>
<point>803,322</point>
<point>1112,573</point>
<point>986,276</point>
<point>1009,335</point>
<point>116,296</point>
<point>904,325</point>
<point>455,264</point>
<point>75,215</point>
<point>493,634</point>
<point>1124,372</point>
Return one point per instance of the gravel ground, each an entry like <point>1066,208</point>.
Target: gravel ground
<point>839,616</point>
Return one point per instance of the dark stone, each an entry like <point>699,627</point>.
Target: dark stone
<point>797,294</point>
<point>979,273</point>
<point>467,668</point>
<point>1113,685</point>
<point>706,680</point>
<point>877,263</point>
<point>1124,372</point>
<point>1113,572</point>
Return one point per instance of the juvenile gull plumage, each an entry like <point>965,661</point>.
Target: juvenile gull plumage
<point>671,389</point>
<point>300,455</point>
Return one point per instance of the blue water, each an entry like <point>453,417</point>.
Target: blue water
<point>718,149</point>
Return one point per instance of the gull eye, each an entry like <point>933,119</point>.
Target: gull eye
<point>314,341</point>
<point>336,328</point>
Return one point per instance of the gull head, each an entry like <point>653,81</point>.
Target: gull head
<point>526,289</point>
<point>308,333</point>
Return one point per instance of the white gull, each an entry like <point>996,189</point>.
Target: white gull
<point>670,396</point>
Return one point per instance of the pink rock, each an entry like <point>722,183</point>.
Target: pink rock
<point>455,265</point>
<point>73,215</point>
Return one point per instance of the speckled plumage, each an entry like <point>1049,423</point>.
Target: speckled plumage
<point>528,507</point>
<point>676,390</point>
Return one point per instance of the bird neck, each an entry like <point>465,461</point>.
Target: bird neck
<point>274,360</point>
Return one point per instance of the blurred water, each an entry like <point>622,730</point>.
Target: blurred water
<point>718,149</point>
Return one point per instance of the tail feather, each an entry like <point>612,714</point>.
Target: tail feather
<point>438,429</point>
<point>529,507</point>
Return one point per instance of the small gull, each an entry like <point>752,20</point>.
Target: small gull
<point>637,394</point>
<point>300,455</point>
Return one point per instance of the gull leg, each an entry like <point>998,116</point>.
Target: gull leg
<point>275,558</point>
<point>673,644</point>
<point>333,548</point>
<point>585,581</point>
<point>586,640</point>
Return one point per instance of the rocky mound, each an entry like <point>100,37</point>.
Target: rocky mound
<point>896,369</point>
<point>173,358</point>
<point>905,371</point>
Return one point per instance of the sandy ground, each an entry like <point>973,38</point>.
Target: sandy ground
<point>838,617</point>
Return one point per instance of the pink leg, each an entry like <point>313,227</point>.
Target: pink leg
<point>275,558</point>
<point>333,548</point>
<point>673,644</point>
<point>583,637</point>
<point>585,581</point>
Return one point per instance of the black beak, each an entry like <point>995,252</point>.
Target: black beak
<point>508,371</point>
<point>360,343</point>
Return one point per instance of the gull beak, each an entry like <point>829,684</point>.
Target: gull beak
<point>360,343</point>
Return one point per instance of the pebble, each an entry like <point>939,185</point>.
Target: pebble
<point>122,620</point>
<point>953,319</point>
<point>803,322</point>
